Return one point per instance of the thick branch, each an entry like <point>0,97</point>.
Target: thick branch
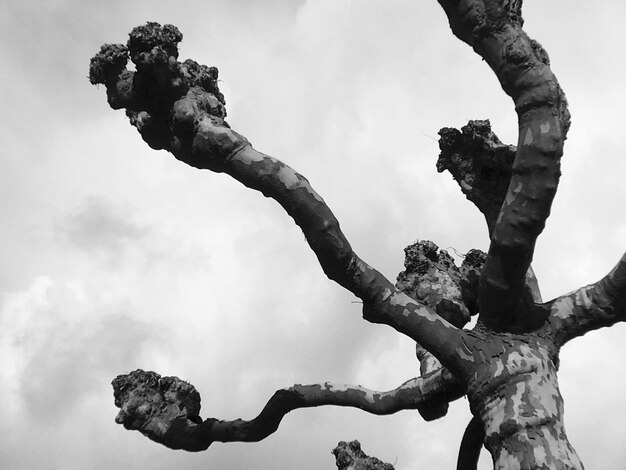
<point>431,277</point>
<point>166,409</point>
<point>494,29</point>
<point>589,308</point>
<point>178,107</point>
<point>482,166</point>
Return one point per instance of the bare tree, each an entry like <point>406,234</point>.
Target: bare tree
<point>507,364</point>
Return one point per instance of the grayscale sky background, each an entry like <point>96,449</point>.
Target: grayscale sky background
<point>116,257</point>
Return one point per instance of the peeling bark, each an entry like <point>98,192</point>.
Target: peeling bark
<point>507,365</point>
<point>482,166</point>
<point>494,30</point>
<point>591,307</point>
<point>514,392</point>
<point>166,409</point>
<point>431,276</point>
<point>177,106</point>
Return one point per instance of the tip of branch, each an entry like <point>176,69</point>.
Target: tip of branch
<point>349,455</point>
<point>480,163</point>
<point>160,81</point>
<point>164,409</point>
<point>108,64</point>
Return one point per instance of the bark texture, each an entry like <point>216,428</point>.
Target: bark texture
<point>507,365</point>
<point>494,30</point>
<point>188,120</point>
<point>432,277</point>
<point>349,456</point>
<point>166,409</point>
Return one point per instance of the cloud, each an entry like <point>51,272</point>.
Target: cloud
<point>56,338</point>
<point>98,226</point>
<point>113,232</point>
<point>60,346</point>
<point>341,90</point>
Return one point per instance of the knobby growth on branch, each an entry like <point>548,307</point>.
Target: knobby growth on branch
<point>507,364</point>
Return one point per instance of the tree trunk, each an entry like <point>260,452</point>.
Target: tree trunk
<point>515,393</point>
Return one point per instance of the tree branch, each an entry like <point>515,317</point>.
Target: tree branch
<point>589,308</point>
<point>178,107</point>
<point>166,409</point>
<point>471,445</point>
<point>494,29</point>
<point>432,277</point>
<point>482,167</point>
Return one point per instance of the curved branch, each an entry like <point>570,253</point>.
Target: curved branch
<point>591,307</point>
<point>494,29</point>
<point>177,107</point>
<point>166,409</point>
<point>471,445</point>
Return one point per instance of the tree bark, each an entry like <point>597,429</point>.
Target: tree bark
<point>494,30</point>
<point>349,456</point>
<point>507,365</point>
<point>167,409</point>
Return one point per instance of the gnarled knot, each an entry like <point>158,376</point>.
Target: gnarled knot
<point>175,106</point>
<point>165,409</point>
<point>432,277</point>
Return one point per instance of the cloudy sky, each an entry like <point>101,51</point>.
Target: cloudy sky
<point>117,257</point>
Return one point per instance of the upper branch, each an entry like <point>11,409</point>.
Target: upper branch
<point>178,107</point>
<point>166,409</point>
<point>494,29</point>
<point>590,307</point>
<point>482,166</point>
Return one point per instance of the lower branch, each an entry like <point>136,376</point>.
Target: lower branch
<point>471,445</point>
<point>589,308</point>
<point>437,407</point>
<point>166,409</point>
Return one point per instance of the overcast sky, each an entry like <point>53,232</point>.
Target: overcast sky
<point>117,257</point>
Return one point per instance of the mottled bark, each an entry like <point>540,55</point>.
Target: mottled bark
<point>431,276</point>
<point>482,166</point>
<point>514,392</point>
<point>494,30</point>
<point>507,365</point>
<point>187,119</point>
<point>166,409</point>
<point>591,307</point>
<point>349,456</point>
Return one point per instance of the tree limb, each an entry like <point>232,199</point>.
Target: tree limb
<point>482,167</point>
<point>166,409</point>
<point>471,445</point>
<point>589,308</point>
<point>432,277</point>
<point>494,29</point>
<point>178,107</point>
